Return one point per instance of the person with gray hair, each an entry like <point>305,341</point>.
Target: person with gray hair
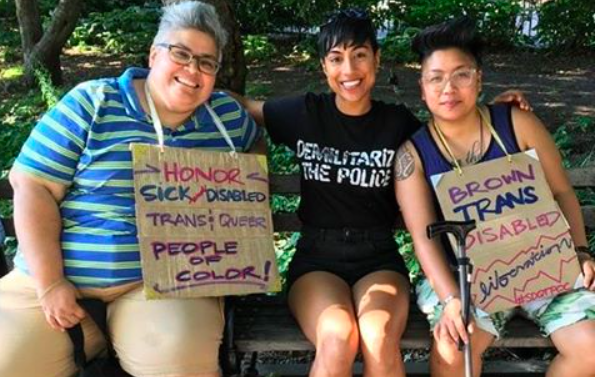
<point>192,15</point>
<point>75,212</point>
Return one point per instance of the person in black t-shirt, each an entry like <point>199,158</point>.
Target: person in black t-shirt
<point>348,285</point>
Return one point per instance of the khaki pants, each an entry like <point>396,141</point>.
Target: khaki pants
<point>151,338</point>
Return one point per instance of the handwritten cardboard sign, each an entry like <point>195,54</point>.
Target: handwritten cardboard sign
<point>204,222</point>
<point>521,249</point>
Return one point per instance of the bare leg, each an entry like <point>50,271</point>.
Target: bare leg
<point>382,301</point>
<point>447,361</point>
<point>322,305</point>
<point>575,344</point>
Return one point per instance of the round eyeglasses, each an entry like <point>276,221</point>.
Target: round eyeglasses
<point>460,78</point>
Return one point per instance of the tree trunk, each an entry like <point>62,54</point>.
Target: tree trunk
<point>232,74</point>
<point>43,49</point>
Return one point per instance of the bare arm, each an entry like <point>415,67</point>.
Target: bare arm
<point>531,134</point>
<point>254,107</point>
<point>415,200</point>
<point>38,225</point>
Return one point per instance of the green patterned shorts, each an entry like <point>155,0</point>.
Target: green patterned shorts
<point>550,314</point>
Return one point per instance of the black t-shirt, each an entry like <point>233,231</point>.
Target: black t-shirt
<point>346,162</point>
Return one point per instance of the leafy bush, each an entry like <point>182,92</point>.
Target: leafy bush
<point>285,247</point>
<point>305,53</point>
<point>565,137</point>
<point>495,18</point>
<point>396,46</point>
<point>10,44</point>
<point>567,24</point>
<point>263,16</point>
<point>17,117</point>
<point>258,48</point>
<point>120,30</point>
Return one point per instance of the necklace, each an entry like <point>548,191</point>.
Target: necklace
<point>483,122</point>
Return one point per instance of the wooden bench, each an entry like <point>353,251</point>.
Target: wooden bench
<point>262,323</point>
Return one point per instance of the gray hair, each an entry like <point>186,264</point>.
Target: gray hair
<point>191,15</point>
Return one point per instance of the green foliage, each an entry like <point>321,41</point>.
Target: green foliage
<point>19,114</point>
<point>396,46</point>
<point>285,247</point>
<point>121,30</point>
<point>281,159</point>
<point>12,73</point>
<point>565,137</point>
<point>17,117</point>
<point>496,18</point>
<point>262,16</point>
<point>10,44</point>
<point>284,204</point>
<point>49,93</point>
<point>258,48</point>
<point>406,249</point>
<point>567,24</point>
<point>258,90</point>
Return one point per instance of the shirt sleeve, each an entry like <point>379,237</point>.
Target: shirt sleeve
<point>240,125</point>
<point>55,145</point>
<point>284,118</point>
<point>252,132</point>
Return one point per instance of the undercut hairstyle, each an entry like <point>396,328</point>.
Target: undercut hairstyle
<point>458,33</point>
<point>346,28</point>
<point>194,15</point>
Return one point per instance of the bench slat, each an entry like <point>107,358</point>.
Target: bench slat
<point>582,177</point>
<point>274,329</point>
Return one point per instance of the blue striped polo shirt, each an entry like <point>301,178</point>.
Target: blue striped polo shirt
<point>83,142</point>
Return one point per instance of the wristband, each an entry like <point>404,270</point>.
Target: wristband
<point>582,249</point>
<point>449,298</point>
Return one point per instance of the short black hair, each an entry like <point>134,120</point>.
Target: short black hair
<point>348,27</point>
<point>457,33</point>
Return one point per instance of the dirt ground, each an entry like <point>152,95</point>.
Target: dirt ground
<point>559,87</point>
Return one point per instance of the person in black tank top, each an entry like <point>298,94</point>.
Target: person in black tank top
<point>450,82</point>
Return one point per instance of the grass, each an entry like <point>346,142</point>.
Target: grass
<point>12,73</point>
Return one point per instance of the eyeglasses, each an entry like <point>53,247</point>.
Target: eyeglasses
<point>460,78</point>
<point>352,13</point>
<point>181,55</point>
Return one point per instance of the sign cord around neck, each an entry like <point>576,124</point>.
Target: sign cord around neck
<point>484,120</point>
<point>159,127</point>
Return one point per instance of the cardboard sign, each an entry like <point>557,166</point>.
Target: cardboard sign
<point>521,249</point>
<point>204,222</point>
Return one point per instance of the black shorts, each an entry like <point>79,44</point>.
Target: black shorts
<point>351,254</point>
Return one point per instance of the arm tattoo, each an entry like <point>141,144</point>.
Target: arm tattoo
<point>404,163</point>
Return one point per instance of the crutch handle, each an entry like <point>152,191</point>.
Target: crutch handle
<point>459,229</point>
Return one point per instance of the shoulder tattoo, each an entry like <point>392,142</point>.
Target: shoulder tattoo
<point>404,163</point>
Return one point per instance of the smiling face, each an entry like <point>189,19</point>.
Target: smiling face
<point>351,73</point>
<point>178,89</point>
<point>456,99</point>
